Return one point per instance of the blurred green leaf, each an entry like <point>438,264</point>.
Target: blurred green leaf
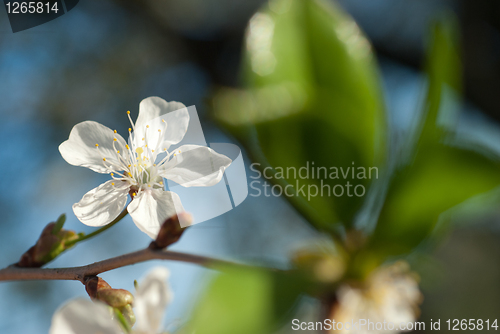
<point>59,224</point>
<point>441,174</point>
<point>440,178</point>
<point>246,301</point>
<point>444,71</point>
<point>312,97</point>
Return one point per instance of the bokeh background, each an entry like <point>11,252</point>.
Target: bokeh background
<point>103,57</point>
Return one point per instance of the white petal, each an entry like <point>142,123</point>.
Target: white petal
<point>151,208</point>
<point>101,205</point>
<point>152,111</point>
<point>82,316</point>
<point>196,166</point>
<point>151,299</point>
<point>80,149</point>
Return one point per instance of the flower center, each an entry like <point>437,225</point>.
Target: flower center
<point>136,164</point>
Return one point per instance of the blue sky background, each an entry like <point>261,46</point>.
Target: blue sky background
<point>97,62</point>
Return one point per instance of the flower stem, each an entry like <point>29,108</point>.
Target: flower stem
<point>100,230</point>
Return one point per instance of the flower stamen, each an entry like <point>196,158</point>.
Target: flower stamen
<point>130,119</point>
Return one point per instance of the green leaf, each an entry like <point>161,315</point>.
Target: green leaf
<point>59,224</point>
<point>245,301</point>
<point>122,320</point>
<point>441,178</point>
<point>444,71</point>
<point>312,98</point>
<point>442,172</point>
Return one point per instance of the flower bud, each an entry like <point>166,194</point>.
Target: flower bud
<point>128,314</point>
<point>94,284</point>
<point>388,294</point>
<point>119,300</point>
<point>99,289</point>
<point>355,240</point>
<point>320,266</point>
<point>52,241</point>
<point>171,231</point>
<point>115,297</point>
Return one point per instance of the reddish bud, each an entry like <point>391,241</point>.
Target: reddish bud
<point>171,231</point>
<point>94,284</point>
<point>99,289</point>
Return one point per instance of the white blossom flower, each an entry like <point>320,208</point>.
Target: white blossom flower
<point>81,316</point>
<point>139,166</point>
<point>389,295</point>
<point>151,299</point>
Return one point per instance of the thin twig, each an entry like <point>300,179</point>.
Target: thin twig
<point>14,273</point>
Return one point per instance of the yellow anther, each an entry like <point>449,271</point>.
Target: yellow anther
<point>103,159</point>
<point>114,131</point>
<point>179,151</point>
<point>164,149</point>
<point>96,145</point>
<point>111,174</point>
<point>118,152</point>
<point>145,145</point>
<point>152,150</point>
<point>154,165</point>
<point>161,182</point>
<point>112,183</point>
<point>163,120</point>
<point>129,174</point>
<point>128,112</point>
<point>159,130</point>
<point>114,139</point>
<point>127,147</point>
<point>129,129</point>
<point>134,194</point>
<point>142,138</point>
<point>147,126</point>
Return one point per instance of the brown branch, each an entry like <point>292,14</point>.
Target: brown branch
<point>14,273</point>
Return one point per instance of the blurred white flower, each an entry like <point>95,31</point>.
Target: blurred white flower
<point>151,299</point>
<point>390,294</point>
<point>138,168</point>
<point>81,316</point>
